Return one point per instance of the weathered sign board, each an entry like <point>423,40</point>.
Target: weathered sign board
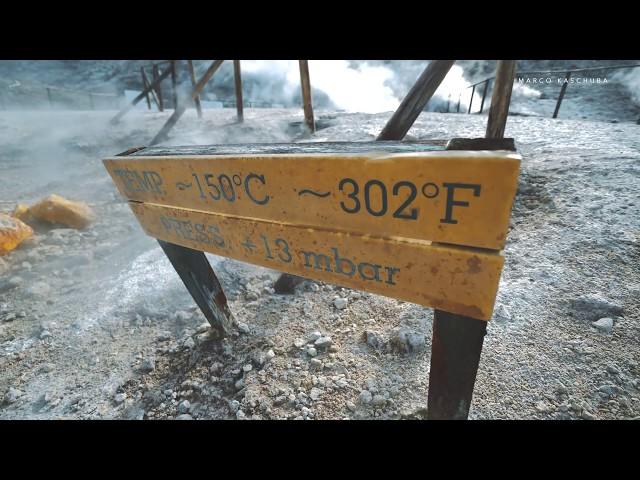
<point>409,221</point>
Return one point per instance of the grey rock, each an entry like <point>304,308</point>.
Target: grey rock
<point>604,324</point>
<point>234,405</point>
<point>373,339</point>
<point>340,303</point>
<point>204,327</point>
<point>315,393</point>
<point>365,397</point>
<point>588,415</point>
<point>184,406</point>
<point>315,364</point>
<point>240,384</point>
<point>323,342</point>
<point>404,340</point>
<point>44,334</point>
<point>378,400</point>
<point>351,406</point>
<point>119,398</point>
<point>189,343</point>
<point>184,416</point>
<point>247,368</point>
<point>12,395</point>
<point>270,354</point>
<point>314,336</point>
<point>148,365</point>
<point>243,327</point>
<point>609,389</point>
<point>312,352</point>
<point>299,343</point>
<point>591,308</point>
<point>240,415</point>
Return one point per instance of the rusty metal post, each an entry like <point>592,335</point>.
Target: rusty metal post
<point>484,94</point>
<point>237,77</point>
<point>455,355</point>
<point>305,84</point>
<point>561,96</point>
<point>473,91</point>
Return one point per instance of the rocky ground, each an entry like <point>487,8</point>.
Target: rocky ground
<point>96,324</point>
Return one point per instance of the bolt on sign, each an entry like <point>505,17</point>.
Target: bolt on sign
<point>406,220</point>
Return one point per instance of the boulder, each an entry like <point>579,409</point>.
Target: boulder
<point>61,211</point>
<point>12,232</point>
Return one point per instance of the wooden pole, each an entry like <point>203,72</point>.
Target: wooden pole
<point>484,94</point>
<point>561,96</point>
<point>305,83</point>
<point>196,98</point>
<point>162,134</point>
<point>158,85</point>
<point>415,101</point>
<point>456,345</point>
<point>500,98</point>
<point>145,84</point>
<point>473,91</point>
<point>135,101</point>
<point>174,83</point>
<point>151,92</point>
<point>237,77</point>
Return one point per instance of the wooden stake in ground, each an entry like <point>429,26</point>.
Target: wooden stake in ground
<point>174,83</point>
<point>158,85</point>
<point>500,98</point>
<point>415,101</point>
<point>561,96</point>
<point>305,83</point>
<point>196,98</point>
<point>162,134</point>
<point>144,86</point>
<point>237,77</point>
<point>135,101</point>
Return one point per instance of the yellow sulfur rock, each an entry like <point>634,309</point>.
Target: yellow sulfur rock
<point>12,232</point>
<point>21,212</point>
<point>58,210</point>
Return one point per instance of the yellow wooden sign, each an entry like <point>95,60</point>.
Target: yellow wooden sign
<point>455,279</point>
<point>454,197</point>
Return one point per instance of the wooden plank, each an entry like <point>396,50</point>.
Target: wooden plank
<point>462,198</point>
<point>158,84</point>
<point>135,101</point>
<point>307,105</point>
<point>174,83</point>
<point>237,79</point>
<point>501,98</point>
<point>415,101</point>
<point>196,98</point>
<point>456,279</point>
<point>203,285</point>
<point>179,111</point>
